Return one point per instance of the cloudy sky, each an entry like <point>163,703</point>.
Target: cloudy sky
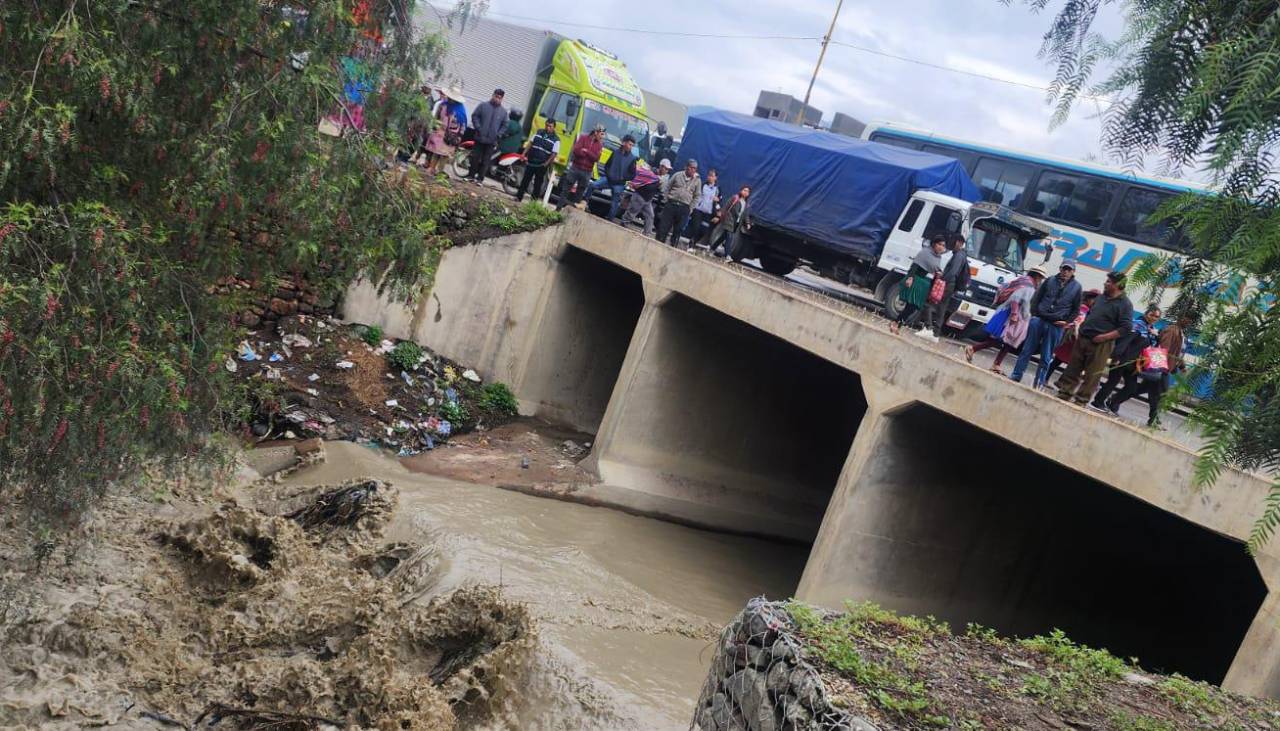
<point>979,36</point>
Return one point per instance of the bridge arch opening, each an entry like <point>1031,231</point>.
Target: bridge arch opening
<point>949,520</point>
<point>726,426</point>
<point>587,325</point>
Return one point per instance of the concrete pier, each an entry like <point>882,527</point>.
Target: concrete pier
<point>727,399</point>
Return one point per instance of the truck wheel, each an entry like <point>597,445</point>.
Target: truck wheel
<point>738,247</point>
<point>461,164</point>
<point>777,264</point>
<point>892,304</point>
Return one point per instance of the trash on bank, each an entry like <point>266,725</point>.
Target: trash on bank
<point>294,340</point>
<point>247,353</point>
<point>345,365</point>
<point>471,375</point>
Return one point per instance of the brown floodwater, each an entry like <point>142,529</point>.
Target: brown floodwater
<point>627,606</point>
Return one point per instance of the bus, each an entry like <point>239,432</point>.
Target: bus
<point>1098,215</point>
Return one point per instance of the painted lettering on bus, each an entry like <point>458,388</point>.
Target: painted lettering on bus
<point>1075,246</point>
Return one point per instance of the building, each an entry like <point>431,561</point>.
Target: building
<point>665,109</point>
<point>843,124</point>
<point>786,108</point>
<point>473,64</point>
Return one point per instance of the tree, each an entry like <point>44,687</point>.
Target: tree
<point>150,149</point>
<point>1197,83</point>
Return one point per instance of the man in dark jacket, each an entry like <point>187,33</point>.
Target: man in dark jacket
<point>541,152</point>
<point>582,165</point>
<point>1054,306</point>
<point>1125,357</point>
<point>489,121</point>
<point>956,275</point>
<point>1109,319</point>
<point>619,171</point>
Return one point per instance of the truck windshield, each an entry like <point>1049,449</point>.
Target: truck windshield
<point>992,243</point>
<point>617,124</point>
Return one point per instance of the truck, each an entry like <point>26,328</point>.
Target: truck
<point>544,75</point>
<point>855,211</point>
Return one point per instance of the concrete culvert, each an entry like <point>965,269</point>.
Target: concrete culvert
<point>950,521</point>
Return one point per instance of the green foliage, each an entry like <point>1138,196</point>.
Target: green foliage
<point>405,356</point>
<point>1199,84</point>
<point>1192,697</point>
<point>529,216</point>
<point>148,152</point>
<point>454,411</point>
<point>371,335</point>
<point>498,398</point>
<point>1121,721</point>
<point>1074,674</point>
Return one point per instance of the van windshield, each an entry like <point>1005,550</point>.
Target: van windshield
<point>617,124</point>
<point>993,243</point>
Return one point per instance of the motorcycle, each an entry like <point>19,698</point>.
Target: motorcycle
<point>505,167</point>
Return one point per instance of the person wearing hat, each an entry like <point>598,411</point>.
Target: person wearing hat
<point>450,120</point>
<point>489,121</point>
<point>582,167</point>
<point>539,154</point>
<point>1007,328</point>
<point>1056,305</point>
<point>1110,318</point>
<point>681,192</point>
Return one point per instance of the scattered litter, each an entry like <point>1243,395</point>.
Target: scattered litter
<point>524,463</point>
<point>294,340</point>
<point>392,403</point>
<point>408,379</point>
<point>431,402</point>
<point>246,351</point>
<point>230,364</point>
<point>444,428</point>
<point>326,419</point>
<point>272,374</point>
<point>313,377</point>
<point>451,395</point>
<point>290,435</point>
<point>275,358</point>
<point>345,365</point>
<point>390,377</point>
<point>386,347</point>
<point>296,417</point>
<point>313,392</point>
<point>450,375</point>
<point>471,375</point>
<point>406,452</point>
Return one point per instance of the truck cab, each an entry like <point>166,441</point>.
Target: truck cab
<point>996,238</point>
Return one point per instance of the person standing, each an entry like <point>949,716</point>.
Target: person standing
<point>450,120</point>
<point>660,147</point>
<point>1008,326</point>
<point>644,186</point>
<point>681,191</point>
<point>1055,305</point>
<point>489,121</point>
<point>1125,355</point>
<point>1110,318</point>
<point>704,210</point>
<point>1062,353</point>
<point>730,221</point>
<point>1153,381</point>
<point>512,138</point>
<point>582,167</point>
<point>539,155</point>
<point>619,171</point>
<point>914,292</point>
<point>955,273</point>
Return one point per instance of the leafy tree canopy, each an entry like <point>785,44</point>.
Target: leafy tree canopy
<point>149,149</point>
<point>1197,83</point>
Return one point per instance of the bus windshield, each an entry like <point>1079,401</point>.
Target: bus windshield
<point>617,124</point>
<point>993,243</point>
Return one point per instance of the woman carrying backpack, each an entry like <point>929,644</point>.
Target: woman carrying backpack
<point>1154,366</point>
<point>1008,327</point>
<point>451,120</point>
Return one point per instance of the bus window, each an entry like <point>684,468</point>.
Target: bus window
<point>1072,198</point>
<point>943,220</point>
<point>1131,217</point>
<point>965,157</point>
<point>911,216</point>
<point>895,141</point>
<point>1001,181</point>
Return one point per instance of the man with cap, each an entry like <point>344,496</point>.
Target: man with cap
<point>1055,305</point>
<point>490,121</point>
<point>1109,319</point>
<point>681,190</point>
<point>582,166</point>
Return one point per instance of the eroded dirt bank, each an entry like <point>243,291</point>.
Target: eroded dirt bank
<point>410,602</point>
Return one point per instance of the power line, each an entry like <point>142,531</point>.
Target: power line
<point>646,31</point>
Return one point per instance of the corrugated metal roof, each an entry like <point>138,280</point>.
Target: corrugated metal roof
<point>487,55</point>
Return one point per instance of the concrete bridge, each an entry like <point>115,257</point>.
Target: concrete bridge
<point>727,399</point>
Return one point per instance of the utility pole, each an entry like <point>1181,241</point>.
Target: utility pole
<point>821,54</point>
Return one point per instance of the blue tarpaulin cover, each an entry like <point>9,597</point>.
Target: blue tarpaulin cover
<point>831,189</point>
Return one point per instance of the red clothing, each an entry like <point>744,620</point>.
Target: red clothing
<point>586,153</point>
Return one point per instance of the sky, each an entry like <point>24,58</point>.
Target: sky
<point>979,36</point>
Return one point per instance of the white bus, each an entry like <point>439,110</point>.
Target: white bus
<point>1098,215</point>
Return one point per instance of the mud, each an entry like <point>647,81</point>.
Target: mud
<point>526,454</point>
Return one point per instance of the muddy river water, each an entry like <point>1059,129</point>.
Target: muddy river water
<point>627,606</point>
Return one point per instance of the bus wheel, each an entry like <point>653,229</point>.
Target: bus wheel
<point>777,264</point>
